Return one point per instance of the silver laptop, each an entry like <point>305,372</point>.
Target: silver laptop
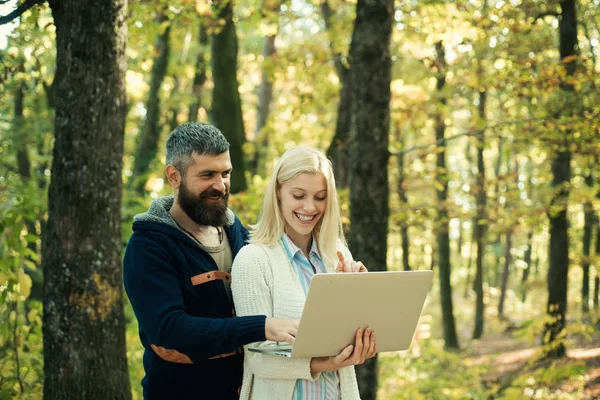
<point>337,304</point>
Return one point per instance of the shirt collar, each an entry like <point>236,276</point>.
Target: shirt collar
<point>314,249</point>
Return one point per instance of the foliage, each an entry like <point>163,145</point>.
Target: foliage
<point>545,381</point>
<point>21,367</point>
<point>428,371</point>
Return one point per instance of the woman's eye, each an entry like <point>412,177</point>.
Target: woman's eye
<point>297,197</point>
<point>320,198</point>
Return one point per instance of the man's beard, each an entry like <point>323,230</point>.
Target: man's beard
<point>201,210</point>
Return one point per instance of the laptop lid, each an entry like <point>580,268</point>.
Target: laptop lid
<point>337,304</point>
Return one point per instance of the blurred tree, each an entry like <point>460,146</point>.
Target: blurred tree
<point>226,109</point>
<point>558,272</point>
<point>442,179</point>
<point>338,148</point>
<point>265,89</point>
<point>588,227</point>
<point>370,65</point>
<point>147,145</point>
<point>403,198</point>
<point>480,221</point>
<point>200,71</point>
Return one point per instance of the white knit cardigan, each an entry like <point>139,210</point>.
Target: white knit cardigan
<point>265,283</point>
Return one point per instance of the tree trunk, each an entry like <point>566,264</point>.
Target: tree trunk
<point>200,74</point>
<point>226,109</point>
<point>83,324</point>
<point>493,274</point>
<point>370,64</point>
<point>265,96</point>
<point>597,253</point>
<point>589,218</point>
<point>527,269</point>
<point>469,261</point>
<point>24,169</point>
<point>480,227</point>
<point>596,291</point>
<point>529,252</point>
<point>505,273</point>
<point>338,149</point>
<point>403,201</point>
<point>559,225</point>
<point>147,145</point>
<point>443,234</point>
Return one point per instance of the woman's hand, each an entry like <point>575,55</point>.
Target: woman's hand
<point>349,265</point>
<point>364,347</point>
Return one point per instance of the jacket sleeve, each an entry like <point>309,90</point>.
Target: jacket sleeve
<point>251,285</point>
<point>153,286</point>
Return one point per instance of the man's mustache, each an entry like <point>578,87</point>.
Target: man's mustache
<point>213,193</point>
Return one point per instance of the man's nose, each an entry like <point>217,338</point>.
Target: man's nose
<point>220,184</point>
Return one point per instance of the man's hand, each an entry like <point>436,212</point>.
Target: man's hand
<point>364,347</point>
<point>349,265</point>
<point>281,330</point>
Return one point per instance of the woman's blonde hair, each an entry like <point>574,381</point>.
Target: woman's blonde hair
<point>271,225</point>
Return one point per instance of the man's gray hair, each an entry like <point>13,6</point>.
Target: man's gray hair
<point>194,137</point>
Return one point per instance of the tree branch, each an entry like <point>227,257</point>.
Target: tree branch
<point>17,12</point>
<point>477,132</point>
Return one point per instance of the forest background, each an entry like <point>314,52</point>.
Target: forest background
<point>464,132</point>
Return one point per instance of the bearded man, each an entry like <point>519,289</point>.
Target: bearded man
<point>176,274</point>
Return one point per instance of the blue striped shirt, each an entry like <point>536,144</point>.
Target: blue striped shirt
<point>327,386</point>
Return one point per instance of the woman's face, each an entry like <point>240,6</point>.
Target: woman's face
<point>303,201</point>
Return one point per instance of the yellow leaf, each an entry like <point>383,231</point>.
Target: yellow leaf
<point>24,284</point>
<point>569,59</point>
<point>3,279</point>
<point>203,8</point>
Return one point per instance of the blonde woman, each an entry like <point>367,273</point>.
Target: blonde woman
<point>298,234</point>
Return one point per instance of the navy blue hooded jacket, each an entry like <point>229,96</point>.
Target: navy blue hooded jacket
<point>191,338</point>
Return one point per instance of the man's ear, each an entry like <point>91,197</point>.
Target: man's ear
<point>173,176</point>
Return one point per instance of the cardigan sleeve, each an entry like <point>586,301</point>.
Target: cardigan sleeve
<point>252,286</point>
<point>154,289</point>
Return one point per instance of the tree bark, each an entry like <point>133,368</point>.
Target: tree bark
<point>83,324</point>
<point>226,109</point>
<point>443,234</point>
<point>148,140</point>
<point>559,225</point>
<point>370,64</point>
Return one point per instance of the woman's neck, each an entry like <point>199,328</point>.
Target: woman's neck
<point>302,241</point>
